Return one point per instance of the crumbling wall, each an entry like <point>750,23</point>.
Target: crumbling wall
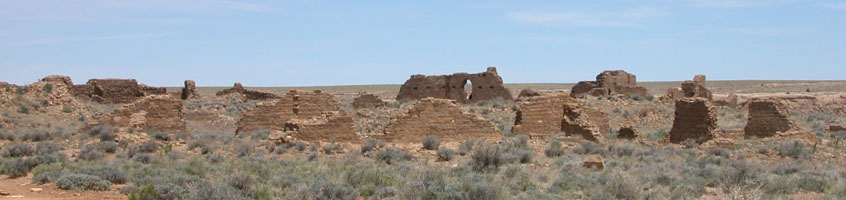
<point>767,117</point>
<point>153,113</point>
<point>526,93</point>
<point>694,119</point>
<point>365,100</point>
<point>696,88</point>
<point>441,117</point>
<point>249,94</point>
<point>582,120</point>
<point>307,115</point>
<point>190,90</point>
<point>673,94</point>
<point>628,132</point>
<point>486,86</point>
<point>607,82</point>
<point>729,100</point>
<point>115,90</point>
<point>541,115</point>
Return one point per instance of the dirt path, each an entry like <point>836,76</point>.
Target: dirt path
<point>23,188</point>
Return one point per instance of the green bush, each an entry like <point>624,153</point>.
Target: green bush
<point>47,177</point>
<point>44,148</point>
<point>486,157</point>
<point>163,136</point>
<point>111,174</point>
<point>15,167</point>
<point>391,155</point>
<point>17,150</point>
<point>166,191</point>
<point>82,182</point>
<point>554,149</point>
<point>445,154</point>
<point>431,142</point>
<point>91,152</point>
<point>466,147</point>
<point>214,191</point>
<point>371,144</point>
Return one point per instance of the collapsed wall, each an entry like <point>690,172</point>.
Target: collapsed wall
<point>487,85</point>
<point>190,90</point>
<point>555,113</point>
<point>767,117</point>
<point>608,82</point>
<point>150,113</point>
<point>365,100</point>
<point>440,117</point>
<point>526,93</point>
<point>249,94</point>
<point>115,90</point>
<point>306,115</point>
<point>694,119</point>
<point>696,88</point>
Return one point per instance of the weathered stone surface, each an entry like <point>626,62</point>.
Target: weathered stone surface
<point>115,90</point>
<point>628,132</point>
<point>582,120</point>
<point>696,88</point>
<point>153,113</point>
<point>58,79</point>
<point>673,94</point>
<point>365,100</point>
<point>249,94</point>
<point>836,127</point>
<point>441,117</point>
<point>487,85</point>
<point>594,161</point>
<point>190,90</point>
<point>694,119</point>
<point>311,116</point>
<point>767,117</point>
<point>541,115</point>
<point>729,100</point>
<point>525,93</point>
<point>607,82</point>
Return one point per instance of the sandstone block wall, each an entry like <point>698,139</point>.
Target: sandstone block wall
<point>115,90</point>
<point>582,120</point>
<point>441,117</point>
<point>486,86</point>
<point>541,115</point>
<point>249,94</point>
<point>154,113</point>
<point>190,90</point>
<point>767,117</point>
<point>607,82</point>
<point>526,93</point>
<point>694,119</point>
<point>365,100</point>
<point>306,115</point>
<point>696,88</point>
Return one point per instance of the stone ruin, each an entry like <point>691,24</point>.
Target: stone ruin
<point>365,100</point>
<point>594,161</point>
<point>767,117</point>
<point>309,116</point>
<point>487,85</point>
<point>249,94</point>
<point>729,100</point>
<point>555,113</point>
<point>696,88</point>
<point>112,91</point>
<point>526,93</point>
<point>694,119</point>
<point>441,117</point>
<point>628,132</point>
<point>150,113</point>
<point>608,82</point>
<point>189,91</point>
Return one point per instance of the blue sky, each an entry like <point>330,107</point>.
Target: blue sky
<point>305,42</point>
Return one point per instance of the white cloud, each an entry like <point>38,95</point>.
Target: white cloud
<point>84,39</point>
<point>627,18</point>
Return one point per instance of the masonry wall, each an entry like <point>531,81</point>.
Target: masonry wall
<point>767,117</point>
<point>441,117</point>
<point>694,119</point>
<point>487,85</point>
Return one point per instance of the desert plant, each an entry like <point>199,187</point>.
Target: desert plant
<point>81,182</point>
<point>391,155</point>
<point>445,154</point>
<point>111,174</point>
<point>44,148</point>
<point>91,152</point>
<point>431,142</point>
<point>163,136</point>
<point>486,157</point>
<point>554,149</point>
<point>15,167</point>
<point>17,150</point>
<point>371,144</point>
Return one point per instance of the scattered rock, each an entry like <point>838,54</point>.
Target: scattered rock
<point>35,189</point>
<point>594,161</point>
<point>4,193</point>
<point>487,85</point>
<point>836,127</point>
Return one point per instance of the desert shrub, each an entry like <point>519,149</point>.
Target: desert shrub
<point>554,149</point>
<point>466,147</point>
<point>111,174</point>
<point>331,148</point>
<point>166,191</point>
<point>81,182</point>
<point>260,134</point>
<point>445,154</point>
<point>47,177</point>
<point>300,146</point>
<point>589,148</point>
<point>91,152</point>
<point>103,132</point>
<point>163,136</point>
<point>486,157</point>
<point>721,152</point>
<point>794,149</point>
<point>149,146</point>
<point>36,135</point>
<point>621,150</point>
<point>214,191</point>
<point>44,159</point>
<point>324,189</point>
<point>431,142</point>
<point>204,146</point>
<point>43,148</point>
<point>16,150</point>
<point>143,158</point>
<point>108,146</point>
<point>367,179</point>
<point>522,155</point>
<point>811,182</point>
<point>15,167</point>
<point>690,143</point>
<point>215,158</point>
<point>244,149</point>
<point>312,156</point>
<point>371,144</point>
<point>6,136</point>
<point>521,141</point>
<point>242,182</point>
<point>391,155</point>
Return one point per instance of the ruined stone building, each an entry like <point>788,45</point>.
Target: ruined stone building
<point>310,116</point>
<point>526,93</point>
<point>150,113</point>
<point>694,119</point>
<point>556,113</point>
<point>190,90</point>
<point>115,90</point>
<point>249,94</point>
<point>440,117</point>
<point>696,88</point>
<point>608,82</point>
<point>767,117</point>
<point>365,100</point>
<point>487,85</point>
